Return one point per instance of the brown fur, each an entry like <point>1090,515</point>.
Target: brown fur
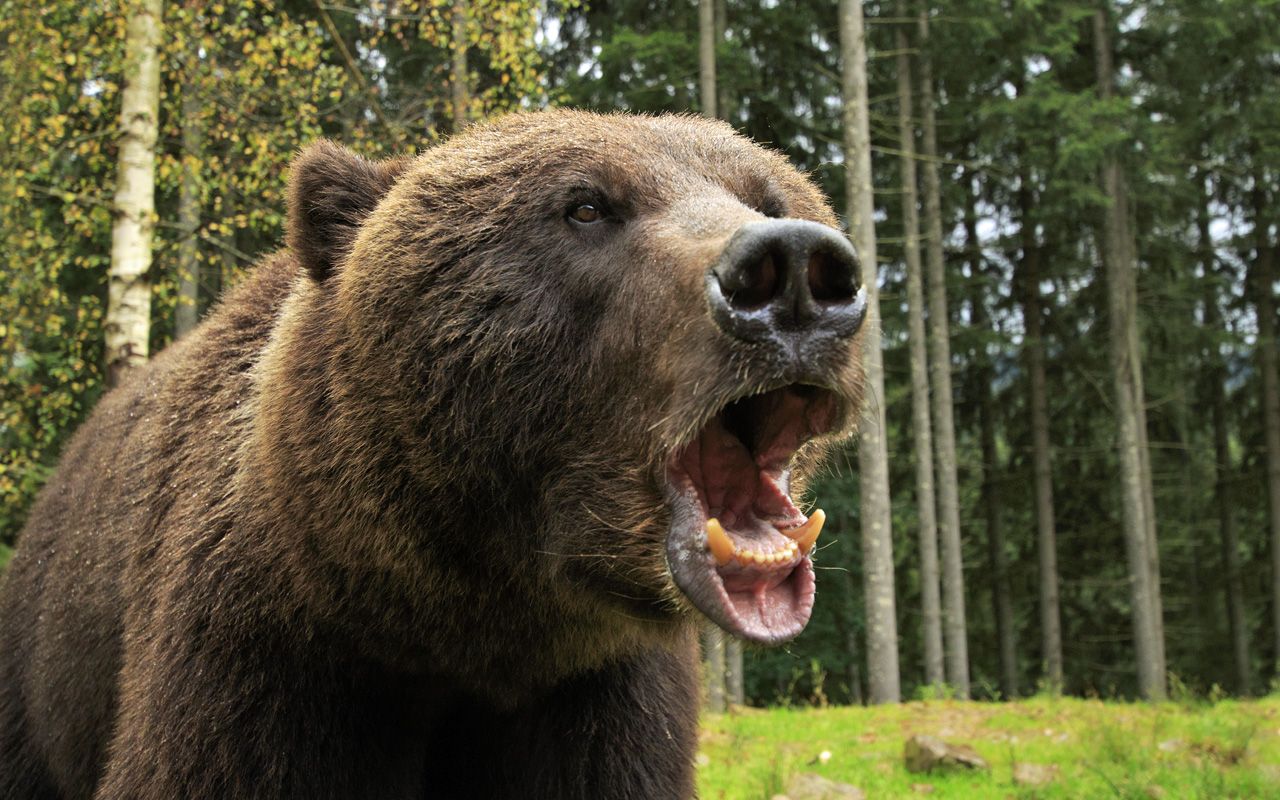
<point>393,509</point>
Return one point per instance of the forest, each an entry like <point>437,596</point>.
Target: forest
<point>1068,475</point>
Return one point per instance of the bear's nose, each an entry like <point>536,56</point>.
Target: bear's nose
<point>786,276</point>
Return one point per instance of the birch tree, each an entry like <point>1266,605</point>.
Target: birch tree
<point>128,320</point>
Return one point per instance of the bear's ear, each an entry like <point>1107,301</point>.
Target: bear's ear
<point>331,191</point>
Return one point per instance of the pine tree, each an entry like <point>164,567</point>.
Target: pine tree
<point>921,427</point>
<point>877,542</point>
<point>954,623</point>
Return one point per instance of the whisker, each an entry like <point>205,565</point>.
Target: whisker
<point>576,555</point>
<point>605,523</point>
<point>629,597</point>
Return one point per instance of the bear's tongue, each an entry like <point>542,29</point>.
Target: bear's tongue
<point>739,547</point>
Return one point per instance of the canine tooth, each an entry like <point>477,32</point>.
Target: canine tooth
<point>721,548</point>
<point>805,535</point>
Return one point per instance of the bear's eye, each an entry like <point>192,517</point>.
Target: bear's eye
<point>586,213</point>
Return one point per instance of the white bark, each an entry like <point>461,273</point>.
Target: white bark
<point>128,321</point>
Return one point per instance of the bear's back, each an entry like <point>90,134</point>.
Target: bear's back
<point>148,447</point>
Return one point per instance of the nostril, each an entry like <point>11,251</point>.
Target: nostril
<point>780,279</point>
<point>752,284</point>
<point>832,279</point>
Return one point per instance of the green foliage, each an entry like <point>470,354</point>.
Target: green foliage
<point>261,79</point>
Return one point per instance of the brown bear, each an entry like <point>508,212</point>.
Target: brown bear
<point>431,504</point>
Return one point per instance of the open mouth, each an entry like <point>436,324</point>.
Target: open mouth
<point>738,547</point>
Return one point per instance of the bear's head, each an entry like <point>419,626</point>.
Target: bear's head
<point>595,355</point>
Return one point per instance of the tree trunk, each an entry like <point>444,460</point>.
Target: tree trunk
<point>709,28</point>
<point>873,459</point>
<point>1001,592</point>
<point>128,320</point>
<point>849,632</point>
<point>1264,277</point>
<point>187,314</point>
<point>724,97</point>
<point>713,655</point>
<point>735,691</point>
<point>1118,257</point>
<point>1034,351</point>
<point>931,609</point>
<point>707,57</point>
<point>944,430</point>
<point>459,75</point>
<point>1144,446</point>
<point>1232,584</point>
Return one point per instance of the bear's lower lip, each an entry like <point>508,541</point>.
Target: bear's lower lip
<point>738,547</point>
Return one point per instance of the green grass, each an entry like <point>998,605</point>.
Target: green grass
<point>1224,749</point>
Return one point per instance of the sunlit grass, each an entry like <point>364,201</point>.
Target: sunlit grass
<point>1192,749</point>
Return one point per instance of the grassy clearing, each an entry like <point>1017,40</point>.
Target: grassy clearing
<point>1225,749</point>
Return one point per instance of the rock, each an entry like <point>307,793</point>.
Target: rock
<point>807,786</point>
<point>1025,774</point>
<point>779,797</point>
<point>925,753</point>
<point>922,788</point>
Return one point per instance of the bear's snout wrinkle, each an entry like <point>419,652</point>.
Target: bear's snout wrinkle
<point>786,281</point>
